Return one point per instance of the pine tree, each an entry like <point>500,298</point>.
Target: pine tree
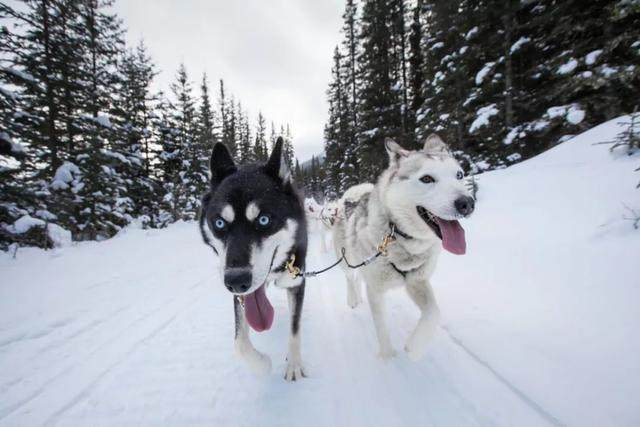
<point>273,136</point>
<point>334,135</point>
<point>110,163</point>
<point>193,177</point>
<point>206,120</point>
<point>227,117</point>
<point>243,136</point>
<point>380,112</point>
<point>416,70</point>
<point>260,143</point>
<point>288,147</point>
<point>133,114</point>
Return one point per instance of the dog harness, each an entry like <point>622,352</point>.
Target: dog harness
<point>404,235</point>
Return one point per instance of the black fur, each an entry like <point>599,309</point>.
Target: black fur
<point>239,186</point>
<point>297,294</point>
<point>276,197</point>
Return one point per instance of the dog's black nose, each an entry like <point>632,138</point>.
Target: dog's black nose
<point>464,205</point>
<point>237,280</point>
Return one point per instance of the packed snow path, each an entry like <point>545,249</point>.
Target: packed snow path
<point>539,324</point>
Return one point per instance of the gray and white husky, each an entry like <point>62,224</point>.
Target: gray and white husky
<point>419,197</point>
<point>253,218</point>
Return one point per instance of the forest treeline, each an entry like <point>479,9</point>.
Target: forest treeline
<point>499,80</point>
<point>88,145</point>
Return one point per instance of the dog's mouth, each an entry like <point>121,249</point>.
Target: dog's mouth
<point>449,231</point>
<point>257,308</point>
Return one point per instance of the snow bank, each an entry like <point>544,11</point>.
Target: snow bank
<point>58,235</point>
<point>26,223</point>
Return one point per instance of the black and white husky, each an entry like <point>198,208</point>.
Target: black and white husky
<point>253,218</point>
<point>419,199</point>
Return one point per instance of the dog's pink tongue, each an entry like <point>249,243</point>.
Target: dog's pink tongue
<point>258,310</point>
<point>452,236</point>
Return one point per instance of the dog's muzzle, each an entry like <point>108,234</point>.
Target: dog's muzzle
<point>464,205</point>
<point>237,280</point>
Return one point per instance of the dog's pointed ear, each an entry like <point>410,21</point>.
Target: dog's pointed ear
<point>434,144</point>
<point>221,164</point>
<point>277,165</point>
<point>394,150</point>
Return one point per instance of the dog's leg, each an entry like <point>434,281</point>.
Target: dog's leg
<point>377,312</point>
<point>258,362</point>
<point>295,370</point>
<point>323,239</point>
<point>354,297</point>
<point>421,293</point>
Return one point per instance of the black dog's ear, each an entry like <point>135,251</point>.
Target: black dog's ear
<point>276,165</point>
<point>221,164</point>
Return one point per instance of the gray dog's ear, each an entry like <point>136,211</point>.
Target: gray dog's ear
<point>394,150</point>
<point>221,163</point>
<point>434,144</point>
<point>277,165</point>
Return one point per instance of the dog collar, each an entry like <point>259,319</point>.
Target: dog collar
<point>399,232</point>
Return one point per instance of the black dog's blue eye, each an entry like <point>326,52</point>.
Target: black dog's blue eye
<point>220,223</point>
<point>264,220</point>
<point>459,175</point>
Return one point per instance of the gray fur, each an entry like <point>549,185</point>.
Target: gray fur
<point>365,213</point>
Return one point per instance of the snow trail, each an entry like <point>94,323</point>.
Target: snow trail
<point>138,330</point>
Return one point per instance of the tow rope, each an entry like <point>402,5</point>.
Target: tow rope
<point>388,239</point>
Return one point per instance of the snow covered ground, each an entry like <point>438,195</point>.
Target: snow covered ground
<point>540,322</point>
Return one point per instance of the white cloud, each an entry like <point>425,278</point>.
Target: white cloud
<point>275,56</point>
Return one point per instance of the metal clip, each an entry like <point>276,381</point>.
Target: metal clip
<point>292,269</point>
<point>386,241</point>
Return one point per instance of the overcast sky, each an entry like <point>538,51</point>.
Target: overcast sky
<point>275,55</point>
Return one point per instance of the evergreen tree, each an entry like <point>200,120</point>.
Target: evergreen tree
<point>288,147</point>
<point>416,66</point>
<point>380,103</point>
<point>334,136</point>
<point>193,177</point>
<point>206,120</point>
<point>260,144</point>
<point>228,119</point>
<point>243,136</point>
<point>133,113</point>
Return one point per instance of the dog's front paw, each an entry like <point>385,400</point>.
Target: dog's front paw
<point>294,371</point>
<point>259,363</point>
<point>417,343</point>
<point>415,353</point>
<point>387,354</point>
<point>352,300</point>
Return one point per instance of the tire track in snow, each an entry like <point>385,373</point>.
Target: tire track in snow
<point>11,409</point>
<point>546,415</point>
<point>86,391</point>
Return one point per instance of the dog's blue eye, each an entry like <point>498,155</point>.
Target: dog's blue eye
<point>220,223</point>
<point>459,175</point>
<point>263,220</point>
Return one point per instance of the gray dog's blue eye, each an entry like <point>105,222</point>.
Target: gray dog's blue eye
<point>220,223</point>
<point>263,220</point>
<point>459,175</point>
